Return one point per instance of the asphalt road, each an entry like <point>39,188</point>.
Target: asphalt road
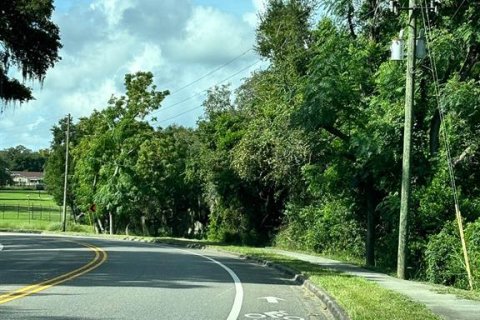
<point>98,279</point>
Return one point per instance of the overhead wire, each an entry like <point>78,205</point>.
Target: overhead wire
<point>458,9</point>
<point>206,90</point>
<point>428,28</point>
<point>451,170</point>
<point>199,94</point>
<point>210,72</point>
<point>20,128</point>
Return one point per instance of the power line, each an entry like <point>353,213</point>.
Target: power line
<point>211,72</point>
<point>426,20</point>
<point>458,9</point>
<point>202,92</point>
<point>179,114</point>
<point>447,147</point>
<point>206,90</point>
<point>19,128</point>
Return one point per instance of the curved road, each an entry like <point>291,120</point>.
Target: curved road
<point>74,278</point>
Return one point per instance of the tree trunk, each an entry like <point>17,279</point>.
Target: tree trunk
<point>144,226</point>
<point>100,225</point>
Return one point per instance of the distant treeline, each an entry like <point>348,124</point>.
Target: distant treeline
<point>20,158</point>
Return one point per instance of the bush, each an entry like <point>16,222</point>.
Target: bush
<point>444,255</point>
<point>328,228</point>
<point>229,225</point>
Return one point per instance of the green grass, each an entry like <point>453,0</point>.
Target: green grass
<point>30,210</point>
<point>21,225</point>
<point>361,299</point>
<point>41,225</point>
<point>47,215</point>
<point>26,198</point>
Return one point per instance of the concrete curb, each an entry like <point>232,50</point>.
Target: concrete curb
<point>332,306</point>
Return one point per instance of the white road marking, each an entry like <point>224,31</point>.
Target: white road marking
<point>272,299</point>
<point>1,247</point>
<point>273,315</point>
<point>238,301</point>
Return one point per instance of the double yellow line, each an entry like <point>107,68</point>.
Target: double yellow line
<point>100,257</point>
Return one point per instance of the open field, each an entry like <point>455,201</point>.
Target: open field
<point>26,198</point>
<point>29,210</point>
<point>15,213</point>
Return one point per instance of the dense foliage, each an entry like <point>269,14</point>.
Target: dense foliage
<point>4,174</point>
<point>307,153</point>
<point>20,158</point>
<point>29,42</point>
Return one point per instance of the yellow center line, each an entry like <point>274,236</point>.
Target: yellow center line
<point>100,257</point>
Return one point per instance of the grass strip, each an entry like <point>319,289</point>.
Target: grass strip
<point>40,225</point>
<point>26,197</point>
<point>360,298</point>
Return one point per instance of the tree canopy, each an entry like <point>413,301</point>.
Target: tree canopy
<point>30,42</point>
<point>307,153</point>
<point>20,158</point>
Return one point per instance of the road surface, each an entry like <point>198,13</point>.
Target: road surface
<point>73,278</point>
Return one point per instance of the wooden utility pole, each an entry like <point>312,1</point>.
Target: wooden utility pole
<point>64,215</point>
<point>407,138</point>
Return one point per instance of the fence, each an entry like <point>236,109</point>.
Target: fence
<point>31,212</point>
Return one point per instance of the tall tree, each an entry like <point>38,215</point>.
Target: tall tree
<point>105,158</point>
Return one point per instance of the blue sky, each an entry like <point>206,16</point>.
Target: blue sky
<point>180,41</point>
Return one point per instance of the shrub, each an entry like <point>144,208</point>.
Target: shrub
<point>328,228</point>
<point>444,255</point>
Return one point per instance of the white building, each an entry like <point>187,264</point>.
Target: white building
<point>26,178</point>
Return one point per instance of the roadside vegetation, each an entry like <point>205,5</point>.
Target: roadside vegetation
<point>305,154</point>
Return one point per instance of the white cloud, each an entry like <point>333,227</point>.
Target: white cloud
<point>112,9</point>
<point>82,103</point>
<point>150,58</point>
<point>35,124</point>
<point>252,18</point>
<point>212,36</point>
<point>260,5</point>
<point>178,40</point>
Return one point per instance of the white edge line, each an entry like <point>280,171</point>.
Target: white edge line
<point>238,301</point>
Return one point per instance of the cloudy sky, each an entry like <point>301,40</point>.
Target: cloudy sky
<point>189,45</point>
